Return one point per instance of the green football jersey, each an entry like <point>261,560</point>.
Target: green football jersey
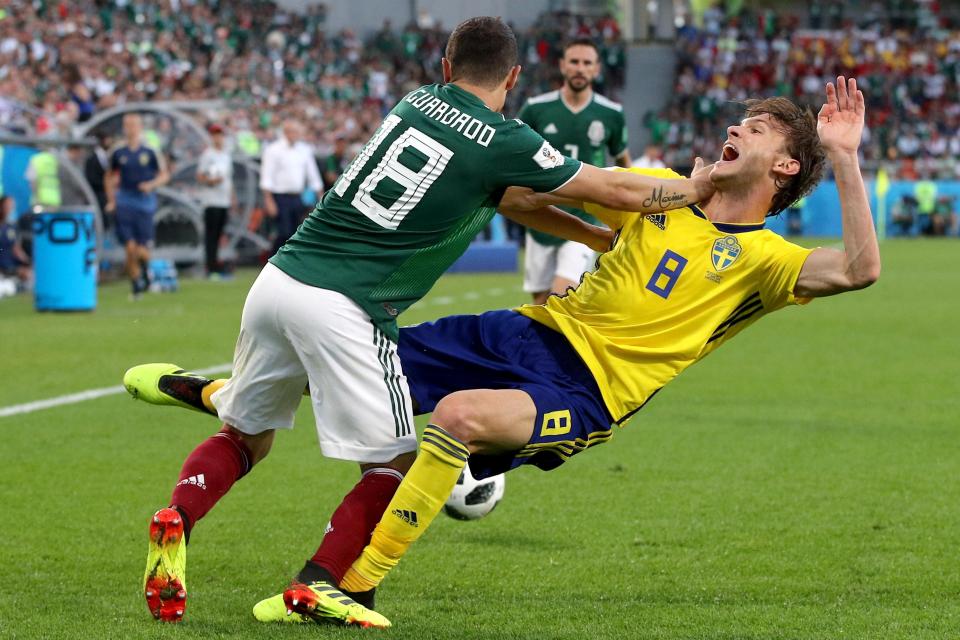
<point>590,134</point>
<point>415,197</point>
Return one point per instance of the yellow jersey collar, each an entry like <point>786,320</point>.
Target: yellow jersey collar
<point>727,227</point>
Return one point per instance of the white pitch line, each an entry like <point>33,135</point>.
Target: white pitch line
<point>89,394</point>
<point>92,394</point>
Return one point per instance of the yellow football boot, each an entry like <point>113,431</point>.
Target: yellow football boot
<point>163,383</point>
<point>165,579</point>
<point>274,609</point>
<point>319,602</point>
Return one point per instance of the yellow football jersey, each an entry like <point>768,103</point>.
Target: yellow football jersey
<point>673,288</point>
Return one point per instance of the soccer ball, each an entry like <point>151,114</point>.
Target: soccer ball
<point>472,499</point>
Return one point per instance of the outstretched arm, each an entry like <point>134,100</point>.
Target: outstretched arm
<point>829,271</point>
<point>663,193</point>
<point>628,191</point>
<point>559,223</point>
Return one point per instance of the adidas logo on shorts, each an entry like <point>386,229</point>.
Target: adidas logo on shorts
<point>195,480</point>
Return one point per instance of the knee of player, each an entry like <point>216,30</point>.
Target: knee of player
<point>254,447</point>
<point>458,415</point>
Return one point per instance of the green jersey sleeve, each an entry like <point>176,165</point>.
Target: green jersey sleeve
<point>525,159</point>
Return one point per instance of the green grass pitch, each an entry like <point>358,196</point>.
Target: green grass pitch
<point>802,482</point>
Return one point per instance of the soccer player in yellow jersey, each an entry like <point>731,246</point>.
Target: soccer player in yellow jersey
<point>540,383</point>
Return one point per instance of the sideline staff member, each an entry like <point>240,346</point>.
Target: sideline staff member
<point>135,173</point>
<point>287,169</point>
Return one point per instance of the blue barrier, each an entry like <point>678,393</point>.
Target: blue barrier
<point>65,261</point>
<point>821,211</point>
<point>487,256</point>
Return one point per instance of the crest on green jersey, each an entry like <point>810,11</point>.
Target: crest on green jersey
<point>596,132</point>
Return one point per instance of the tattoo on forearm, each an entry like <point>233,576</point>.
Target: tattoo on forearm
<point>659,198</point>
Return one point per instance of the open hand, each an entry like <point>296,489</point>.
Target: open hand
<point>840,121</point>
<point>701,177</point>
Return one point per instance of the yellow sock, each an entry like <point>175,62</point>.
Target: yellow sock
<point>416,503</point>
<point>208,391</point>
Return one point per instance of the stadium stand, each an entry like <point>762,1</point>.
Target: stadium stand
<point>277,66</point>
<point>905,54</point>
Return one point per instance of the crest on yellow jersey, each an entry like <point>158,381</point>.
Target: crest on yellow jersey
<point>725,252</point>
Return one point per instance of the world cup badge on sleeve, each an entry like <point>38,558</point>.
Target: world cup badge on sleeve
<point>725,252</point>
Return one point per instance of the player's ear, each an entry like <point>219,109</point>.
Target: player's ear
<point>512,77</point>
<point>447,70</point>
<point>786,166</point>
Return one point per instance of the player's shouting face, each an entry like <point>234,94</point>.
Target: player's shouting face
<point>755,149</point>
<point>579,66</point>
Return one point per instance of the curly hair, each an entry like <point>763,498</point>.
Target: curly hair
<point>799,126</point>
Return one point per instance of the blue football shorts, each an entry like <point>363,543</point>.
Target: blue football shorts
<point>506,350</point>
<point>135,217</point>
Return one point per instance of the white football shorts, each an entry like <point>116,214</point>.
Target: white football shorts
<point>292,333</point>
<point>543,263</point>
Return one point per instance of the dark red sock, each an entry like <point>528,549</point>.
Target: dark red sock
<point>352,524</point>
<point>209,472</point>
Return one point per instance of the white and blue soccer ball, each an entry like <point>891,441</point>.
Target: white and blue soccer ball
<point>472,499</point>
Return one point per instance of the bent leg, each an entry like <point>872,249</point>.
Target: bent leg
<point>353,522</point>
<point>465,422</point>
<point>361,403</point>
<point>212,468</point>
<point>262,397</point>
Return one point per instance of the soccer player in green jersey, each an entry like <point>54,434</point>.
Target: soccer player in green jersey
<point>323,311</point>
<point>582,124</point>
<point>538,384</point>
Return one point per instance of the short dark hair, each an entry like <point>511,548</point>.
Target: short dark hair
<point>799,126</point>
<point>482,51</point>
<point>581,42</point>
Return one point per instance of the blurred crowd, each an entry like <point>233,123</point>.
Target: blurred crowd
<point>244,67</point>
<point>906,56</point>
<point>62,62</point>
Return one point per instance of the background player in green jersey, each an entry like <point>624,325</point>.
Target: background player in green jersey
<point>584,125</point>
<point>324,309</point>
